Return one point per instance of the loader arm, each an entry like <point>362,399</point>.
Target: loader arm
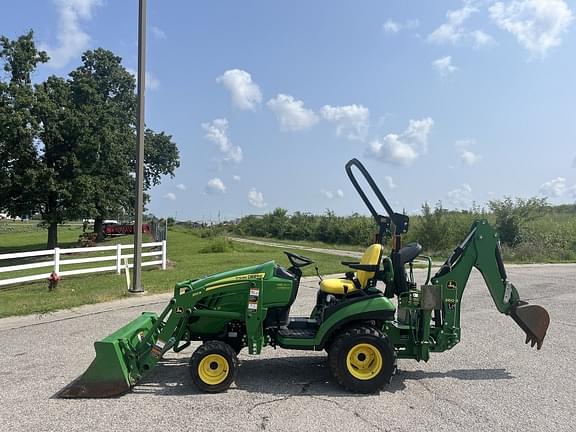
<point>481,249</point>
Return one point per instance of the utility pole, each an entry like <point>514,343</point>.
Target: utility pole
<point>137,279</point>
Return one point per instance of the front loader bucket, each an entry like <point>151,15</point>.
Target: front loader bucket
<point>115,369</point>
<point>533,319</point>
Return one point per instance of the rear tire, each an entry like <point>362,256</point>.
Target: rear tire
<point>362,360</point>
<point>213,366</point>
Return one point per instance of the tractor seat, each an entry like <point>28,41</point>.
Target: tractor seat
<point>409,252</point>
<point>361,279</point>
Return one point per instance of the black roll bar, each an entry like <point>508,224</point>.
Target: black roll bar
<point>399,221</point>
<point>355,162</point>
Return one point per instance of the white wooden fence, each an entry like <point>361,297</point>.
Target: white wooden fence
<point>57,261</point>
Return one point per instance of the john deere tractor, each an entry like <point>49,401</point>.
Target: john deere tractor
<point>354,318</point>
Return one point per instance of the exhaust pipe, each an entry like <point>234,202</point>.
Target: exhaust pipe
<point>533,319</point>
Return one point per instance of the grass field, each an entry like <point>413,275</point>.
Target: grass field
<point>524,254</point>
<point>306,243</point>
<point>189,256</point>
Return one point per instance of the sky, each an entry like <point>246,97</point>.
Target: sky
<point>458,101</point>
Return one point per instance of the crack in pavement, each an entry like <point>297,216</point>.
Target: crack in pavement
<point>264,420</point>
<point>303,392</point>
<point>353,412</point>
<point>438,396</point>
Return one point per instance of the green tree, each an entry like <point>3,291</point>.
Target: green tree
<point>18,126</point>
<point>512,215</point>
<point>433,228</point>
<point>59,171</point>
<point>104,94</point>
<point>67,146</point>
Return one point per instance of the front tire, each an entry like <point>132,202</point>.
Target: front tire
<point>213,366</point>
<point>362,360</point>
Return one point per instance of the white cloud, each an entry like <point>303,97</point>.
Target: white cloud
<point>256,198</point>
<point>454,30</point>
<point>217,132</point>
<point>72,40</point>
<point>158,33</point>
<point>330,194</point>
<point>181,187</point>
<point>350,120</point>
<point>152,83</point>
<point>389,182</point>
<point>291,113</point>
<point>215,186</point>
<point>469,158</point>
<point>572,191</point>
<point>444,66</point>
<point>537,24</point>
<point>418,131</point>
<point>236,178</point>
<point>553,188</point>
<point>391,26</point>
<point>246,94</point>
<point>403,149</point>
<point>481,38</point>
<point>170,196</point>
<point>392,150</point>
<point>460,197</point>
<point>466,155</point>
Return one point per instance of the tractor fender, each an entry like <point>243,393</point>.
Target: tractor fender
<point>376,308</point>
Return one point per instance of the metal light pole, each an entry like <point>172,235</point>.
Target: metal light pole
<point>136,284</point>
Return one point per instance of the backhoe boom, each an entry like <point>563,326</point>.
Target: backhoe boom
<point>481,249</point>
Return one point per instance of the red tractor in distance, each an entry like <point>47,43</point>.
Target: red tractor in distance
<point>112,229</point>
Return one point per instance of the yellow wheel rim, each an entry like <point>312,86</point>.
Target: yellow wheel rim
<point>364,361</point>
<point>213,369</point>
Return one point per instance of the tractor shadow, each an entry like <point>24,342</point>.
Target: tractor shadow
<point>291,376</point>
<point>402,376</point>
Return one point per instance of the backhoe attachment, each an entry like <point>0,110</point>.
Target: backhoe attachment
<point>533,319</point>
<point>481,249</point>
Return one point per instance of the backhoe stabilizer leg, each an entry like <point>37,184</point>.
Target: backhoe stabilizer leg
<point>533,319</point>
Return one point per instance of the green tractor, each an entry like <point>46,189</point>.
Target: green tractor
<point>353,319</point>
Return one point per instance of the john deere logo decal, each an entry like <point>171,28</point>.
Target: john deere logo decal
<point>452,285</point>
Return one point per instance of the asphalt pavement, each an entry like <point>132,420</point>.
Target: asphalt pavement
<point>491,381</point>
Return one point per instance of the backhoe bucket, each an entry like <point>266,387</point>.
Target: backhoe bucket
<point>115,369</point>
<point>533,319</point>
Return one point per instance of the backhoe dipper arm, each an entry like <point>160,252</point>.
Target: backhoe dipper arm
<point>481,249</point>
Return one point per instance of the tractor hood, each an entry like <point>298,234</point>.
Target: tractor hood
<point>258,272</point>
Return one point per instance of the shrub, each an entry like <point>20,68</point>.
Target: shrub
<point>530,230</point>
<point>512,215</point>
<point>218,245</point>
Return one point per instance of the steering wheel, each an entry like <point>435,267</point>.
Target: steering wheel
<point>298,261</point>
